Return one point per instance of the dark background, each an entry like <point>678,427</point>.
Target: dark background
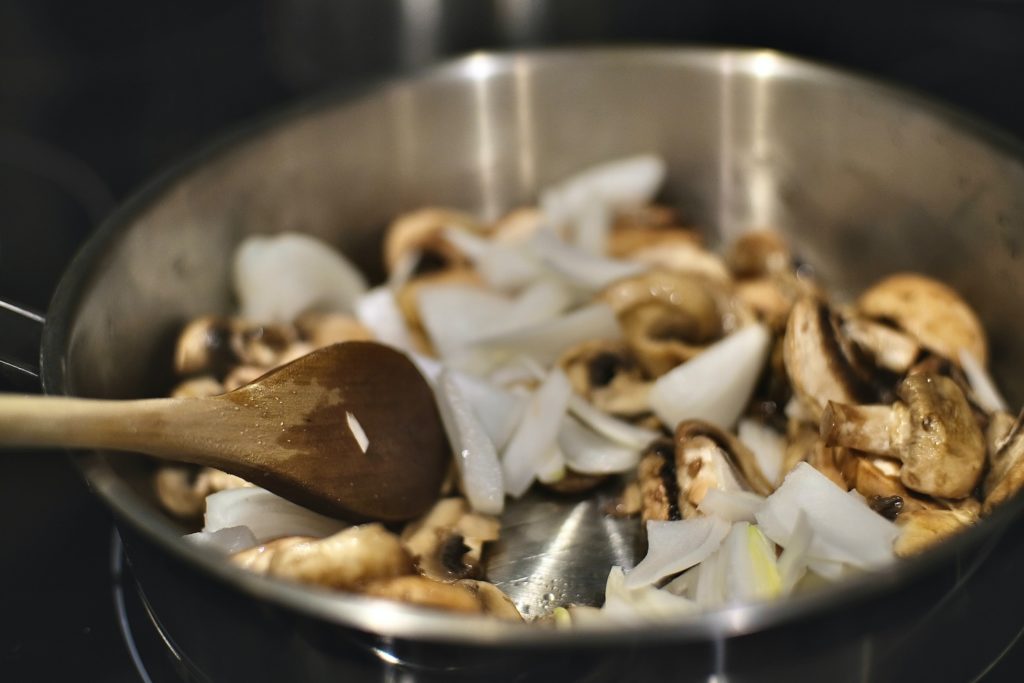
<point>95,97</point>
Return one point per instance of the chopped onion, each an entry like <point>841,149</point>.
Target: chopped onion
<point>475,454</point>
<point>592,225</point>
<point>717,384</point>
<point>268,516</point>
<point>456,315</point>
<point>984,388</point>
<point>590,453</point>
<point>552,466</point>
<point>793,560</point>
<point>767,445</point>
<point>709,587</point>
<point>502,266</point>
<point>750,569</point>
<point>675,546</point>
<point>535,433</point>
<point>229,540</point>
<point>844,529</point>
<point>619,431</point>
<point>499,410</point>
<point>378,310</point>
<point>278,277</point>
<point>429,367</point>
<point>543,300</point>
<point>731,506</point>
<point>587,272</point>
<point>626,604</point>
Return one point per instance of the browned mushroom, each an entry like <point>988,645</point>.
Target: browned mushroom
<point>257,559</point>
<point>887,347</point>
<point>1006,474</point>
<point>573,483</point>
<point>198,387</point>
<point>921,529</point>
<point>759,253</point>
<point>928,310</point>
<point>324,329</point>
<point>466,596</point>
<point>447,543</point>
<point>214,344</point>
<point>420,234</point>
<point>931,429</point>
<point>673,250</point>
<point>608,375</point>
<point>517,225</point>
<point>182,489</point>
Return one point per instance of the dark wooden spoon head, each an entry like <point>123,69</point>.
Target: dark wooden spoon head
<point>303,448</point>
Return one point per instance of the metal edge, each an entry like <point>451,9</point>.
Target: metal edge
<point>391,619</point>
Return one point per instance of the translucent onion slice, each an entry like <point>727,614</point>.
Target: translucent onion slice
<point>844,529</point>
<point>475,455</point>
<point>767,445</point>
<point>750,569</point>
<point>709,587</point>
<point>619,431</point>
<point>268,516</point>
<point>503,266</point>
<point>590,453</point>
<point>379,311</point>
<point>625,604</point>
<point>229,540</point>
<point>544,299</point>
<point>587,272</point>
<point>793,560</point>
<point>552,466</point>
<point>984,388</point>
<point>592,225</point>
<point>278,277</point>
<point>731,506</point>
<point>717,384</point>
<point>675,546</point>
<point>456,315</point>
<point>499,410</point>
<point>536,433</point>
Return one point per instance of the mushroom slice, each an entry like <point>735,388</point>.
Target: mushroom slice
<point>928,310</point>
<point>257,559</point>
<point>324,329</point>
<point>659,490</point>
<point>446,544</point>
<point>492,600</point>
<point>573,483</point>
<point>997,433</point>
<point>517,226</point>
<point>818,358</point>
<point>804,445</point>
<point>607,374</point>
<point>345,560</point>
<point>1006,475</point>
<point>759,253</point>
<point>768,300</point>
<point>931,429</point>
<point>877,478</point>
<point>198,387</point>
<point>420,234</point>
<point>204,345</point>
<point>889,348</point>
<point>671,250</point>
<point>182,489</point>
<point>921,529</point>
<point>466,596</point>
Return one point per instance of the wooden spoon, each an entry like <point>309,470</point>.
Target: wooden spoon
<point>295,431</point>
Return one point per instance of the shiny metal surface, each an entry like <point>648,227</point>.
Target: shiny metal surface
<point>864,178</point>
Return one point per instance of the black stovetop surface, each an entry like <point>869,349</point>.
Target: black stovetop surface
<point>96,97</point>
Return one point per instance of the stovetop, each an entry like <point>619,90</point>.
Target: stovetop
<point>97,97</point>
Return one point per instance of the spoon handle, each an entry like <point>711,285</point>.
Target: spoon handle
<point>172,428</point>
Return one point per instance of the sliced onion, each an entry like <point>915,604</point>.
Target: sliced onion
<point>429,367</point>
<point>709,589</point>
<point>475,454</point>
<point>717,384</point>
<point>593,223</point>
<point>552,466</point>
<point>229,540</point>
<point>536,432</point>
<point>456,315</point>
<point>278,277</point>
<point>984,388</point>
<point>502,266</point>
<point>499,410</point>
<point>543,300</point>
<point>731,506</point>
<point>268,516</point>
<point>619,431</point>
<point>675,546</point>
<point>628,605</point>
<point>793,560</point>
<point>844,529</point>
<point>590,453</point>
<point>751,572</point>
<point>767,445</point>
<point>379,311</point>
<point>587,272</point>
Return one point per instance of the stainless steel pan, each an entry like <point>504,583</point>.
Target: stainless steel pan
<point>864,178</point>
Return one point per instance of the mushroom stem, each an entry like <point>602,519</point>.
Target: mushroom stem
<point>875,429</point>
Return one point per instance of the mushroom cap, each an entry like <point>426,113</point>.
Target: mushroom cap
<point>930,311</point>
<point>945,450</point>
<point>422,230</point>
<point>446,544</point>
<point>759,253</point>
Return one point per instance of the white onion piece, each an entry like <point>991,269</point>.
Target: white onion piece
<point>278,277</point>
<point>709,587</point>
<point>750,569</point>
<point>429,367</point>
<point>619,431</point>
<point>827,569</point>
<point>793,560</point>
<point>844,529</point>
<point>499,410</point>
<point>686,583</point>
<point>229,540</point>
<point>378,310</point>
<point>543,300</point>
<point>584,271</point>
<point>502,266</point>
<point>731,506</point>
<point>716,385</point>
<point>536,432</point>
<point>456,315</point>
<point>984,388</point>
<point>675,546</point>
<point>469,243</point>
<point>590,453</point>
<point>629,605</point>
<point>552,466</point>
<point>593,223</point>
<point>475,454</point>
<point>268,516</point>
<point>546,342</point>
<point>767,445</point>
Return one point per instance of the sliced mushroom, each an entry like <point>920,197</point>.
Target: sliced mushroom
<point>820,361</point>
<point>324,329</point>
<point>198,387</point>
<point>345,560</point>
<point>630,502</point>
<point>759,253</point>
<point>214,344</point>
<point>257,559</point>
<point>420,234</point>
<point>648,216</point>
<point>573,483</point>
<point>877,478</point>
<point>928,310</point>
<point>492,600</point>
<point>608,375</point>
<point>446,544</point>
<point>182,489</point>
<point>1006,474</point>
<point>921,529</point>
<point>668,318</point>
<point>517,225</point>
<point>466,596</point>
<point>804,445</point>
<point>931,429</point>
<point>768,300</point>
<point>242,375</point>
<point>673,481</point>
<point>889,348</point>
<point>673,250</point>
<point>997,432</point>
